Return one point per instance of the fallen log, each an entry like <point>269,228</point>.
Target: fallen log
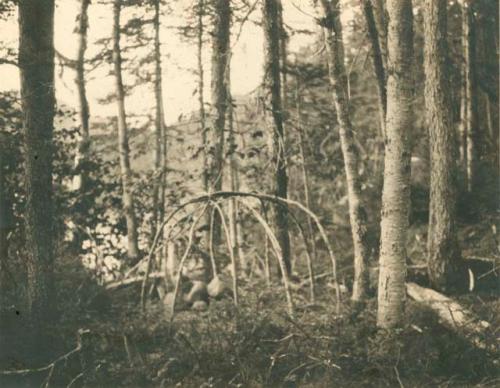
<point>451,314</point>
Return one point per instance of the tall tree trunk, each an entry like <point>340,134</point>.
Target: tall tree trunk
<point>4,222</point>
<point>80,180</point>
<point>357,212</point>
<point>234,220</point>
<point>396,191</point>
<point>377,59</point>
<point>379,13</point>
<point>443,252</point>
<point>201,89</point>
<point>159,153</point>
<point>462,130</point>
<point>283,58</point>
<point>471,95</point>
<point>215,140</point>
<point>274,118</point>
<point>305,182</point>
<point>36,63</point>
<point>126,171</point>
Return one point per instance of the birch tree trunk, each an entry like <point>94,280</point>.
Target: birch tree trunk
<point>443,252</point>
<point>80,180</point>
<point>126,171</point>
<point>274,119</point>
<point>36,63</point>
<point>396,190</point>
<point>357,212</point>
<point>159,153</point>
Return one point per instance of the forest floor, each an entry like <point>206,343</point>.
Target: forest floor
<point>258,344</point>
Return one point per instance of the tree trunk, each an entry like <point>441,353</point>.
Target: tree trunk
<point>443,253</point>
<point>80,180</point>
<point>357,212</point>
<point>471,109</point>
<point>36,63</point>
<point>377,59</point>
<point>126,172</point>
<point>159,153</point>
<point>396,191</point>
<point>274,119</point>
<point>234,220</point>
<point>4,223</point>
<point>305,181</point>
<point>215,141</point>
<point>201,89</point>
<point>379,13</point>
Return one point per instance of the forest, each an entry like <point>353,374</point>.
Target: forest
<point>249,193</point>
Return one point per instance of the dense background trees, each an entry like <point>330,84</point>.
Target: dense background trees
<point>374,180</point>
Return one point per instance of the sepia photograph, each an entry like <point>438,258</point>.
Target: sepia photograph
<point>249,193</point>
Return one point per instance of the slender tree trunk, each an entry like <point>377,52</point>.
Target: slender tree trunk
<point>379,13</point>
<point>126,171</point>
<point>36,62</point>
<point>4,223</point>
<point>159,154</point>
<point>443,252</point>
<point>80,180</point>
<point>396,191</point>
<point>283,58</point>
<point>272,82</point>
<point>357,212</point>
<point>201,89</point>
<point>234,221</point>
<point>377,60</point>
<point>471,94</point>
<point>305,181</point>
<point>462,141</point>
<point>215,141</point>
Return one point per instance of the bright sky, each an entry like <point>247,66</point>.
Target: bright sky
<point>179,57</point>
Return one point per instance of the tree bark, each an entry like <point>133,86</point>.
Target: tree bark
<point>36,63</point>
<point>357,212</point>
<point>471,103</point>
<point>443,257</point>
<point>274,119</point>
<point>201,89</point>
<point>215,139</point>
<point>380,16</point>
<point>396,190</point>
<point>305,181</point>
<point>4,223</point>
<point>377,60</point>
<point>80,180</point>
<point>159,153</point>
<point>234,219</point>
<point>126,171</point>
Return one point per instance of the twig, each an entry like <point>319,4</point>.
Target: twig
<point>75,379</point>
<point>41,369</point>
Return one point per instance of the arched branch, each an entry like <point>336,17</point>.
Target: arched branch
<point>234,268</point>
